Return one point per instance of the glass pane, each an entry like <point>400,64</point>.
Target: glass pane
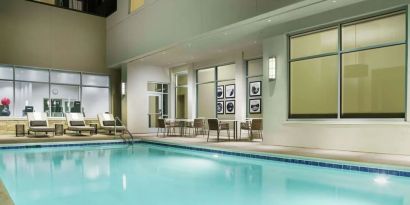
<point>181,79</point>
<point>31,75</point>
<point>155,87</point>
<point>255,67</point>
<point>153,110</point>
<point>95,101</point>
<point>63,98</point>
<point>6,73</point>
<point>165,88</point>
<point>6,97</point>
<point>65,77</point>
<point>373,83</point>
<point>206,100</point>
<point>314,88</point>
<point>33,95</point>
<point>314,43</point>
<point>96,80</point>
<point>206,75</point>
<point>165,104</point>
<point>379,31</point>
<point>181,103</point>
<point>226,72</point>
<point>136,4</point>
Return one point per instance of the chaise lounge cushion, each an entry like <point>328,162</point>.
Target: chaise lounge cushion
<point>38,123</point>
<point>77,123</point>
<point>109,123</point>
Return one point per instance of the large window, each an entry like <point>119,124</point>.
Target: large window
<point>135,5</point>
<point>360,74</point>
<point>54,92</point>
<point>181,95</point>
<point>254,77</point>
<point>216,92</point>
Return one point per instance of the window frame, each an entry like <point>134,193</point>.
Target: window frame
<point>339,53</point>
<point>49,70</point>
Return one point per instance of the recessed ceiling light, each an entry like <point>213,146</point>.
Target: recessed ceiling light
<point>269,20</point>
<point>334,1</point>
<point>164,52</point>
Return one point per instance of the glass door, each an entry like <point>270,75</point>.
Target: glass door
<point>154,109</point>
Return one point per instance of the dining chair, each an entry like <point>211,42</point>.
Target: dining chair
<point>256,125</point>
<point>245,126</point>
<point>216,125</point>
<point>162,126</point>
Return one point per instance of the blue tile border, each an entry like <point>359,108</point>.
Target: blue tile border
<point>292,160</point>
<point>307,162</point>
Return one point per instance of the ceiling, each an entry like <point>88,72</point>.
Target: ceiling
<point>245,36</point>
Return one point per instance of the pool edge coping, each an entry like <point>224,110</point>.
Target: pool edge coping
<point>345,165</point>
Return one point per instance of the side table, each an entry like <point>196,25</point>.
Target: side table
<point>20,130</point>
<point>95,126</point>
<point>59,129</point>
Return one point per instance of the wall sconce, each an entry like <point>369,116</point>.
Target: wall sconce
<point>123,88</point>
<point>272,68</point>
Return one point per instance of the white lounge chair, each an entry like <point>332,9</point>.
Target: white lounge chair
<point>38,122</point>
<point>107,122</point>
<point>75,122</point>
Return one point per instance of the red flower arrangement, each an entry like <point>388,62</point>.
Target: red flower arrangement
<point>5,101</point>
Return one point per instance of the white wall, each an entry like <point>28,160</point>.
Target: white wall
<point>366,136</point>
<point>161,23</point>
<point>138,76</point>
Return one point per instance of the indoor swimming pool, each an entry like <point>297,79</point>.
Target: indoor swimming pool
<point>156,174</point>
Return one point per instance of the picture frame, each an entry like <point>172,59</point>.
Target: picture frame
<point>255,89</point>
<point>220,107</point>
<point>255,106</point>
<point>230,107</point>
<point>220,92</point>
<point>230,91</point>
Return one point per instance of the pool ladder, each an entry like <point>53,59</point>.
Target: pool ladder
<point>130,140</point>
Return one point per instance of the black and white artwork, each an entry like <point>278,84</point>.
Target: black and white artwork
<point>220,92</point>
<point>230,91</point>
<point>230,107</point>
<point>255,106</point>
<point>255,88</point>
<point>220,107</point>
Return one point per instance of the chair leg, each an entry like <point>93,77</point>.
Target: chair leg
<point>229,135</point>
<point>217,136</point>
<point>207,139</point>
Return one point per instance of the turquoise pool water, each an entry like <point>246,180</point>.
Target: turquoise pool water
<point>152,174</point>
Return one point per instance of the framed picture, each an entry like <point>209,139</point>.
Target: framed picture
<point>230,107</point>
<point>220,92</point>
<point>230,91</point>
<point>220,107</point>
<point>255,88</point>
<point>255,106</point>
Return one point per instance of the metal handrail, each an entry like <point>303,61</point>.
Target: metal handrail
<point>131,141</point>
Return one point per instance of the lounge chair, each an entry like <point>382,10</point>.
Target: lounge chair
<point>38,122</point>
<point>107,122</point>
<point>76,123</point>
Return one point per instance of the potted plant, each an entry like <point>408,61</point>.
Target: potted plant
<point>4,107</point>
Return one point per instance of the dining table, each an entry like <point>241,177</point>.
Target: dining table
<point>181,123</point>
<point>235,127</point>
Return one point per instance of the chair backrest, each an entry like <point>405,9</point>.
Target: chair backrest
<point>256,124</point>
<point>161,123</point>
<point>213,124</point>
<point>104,117</point>
<point>199,123</point>
<point>37,116</point>
<point>73,117</point>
